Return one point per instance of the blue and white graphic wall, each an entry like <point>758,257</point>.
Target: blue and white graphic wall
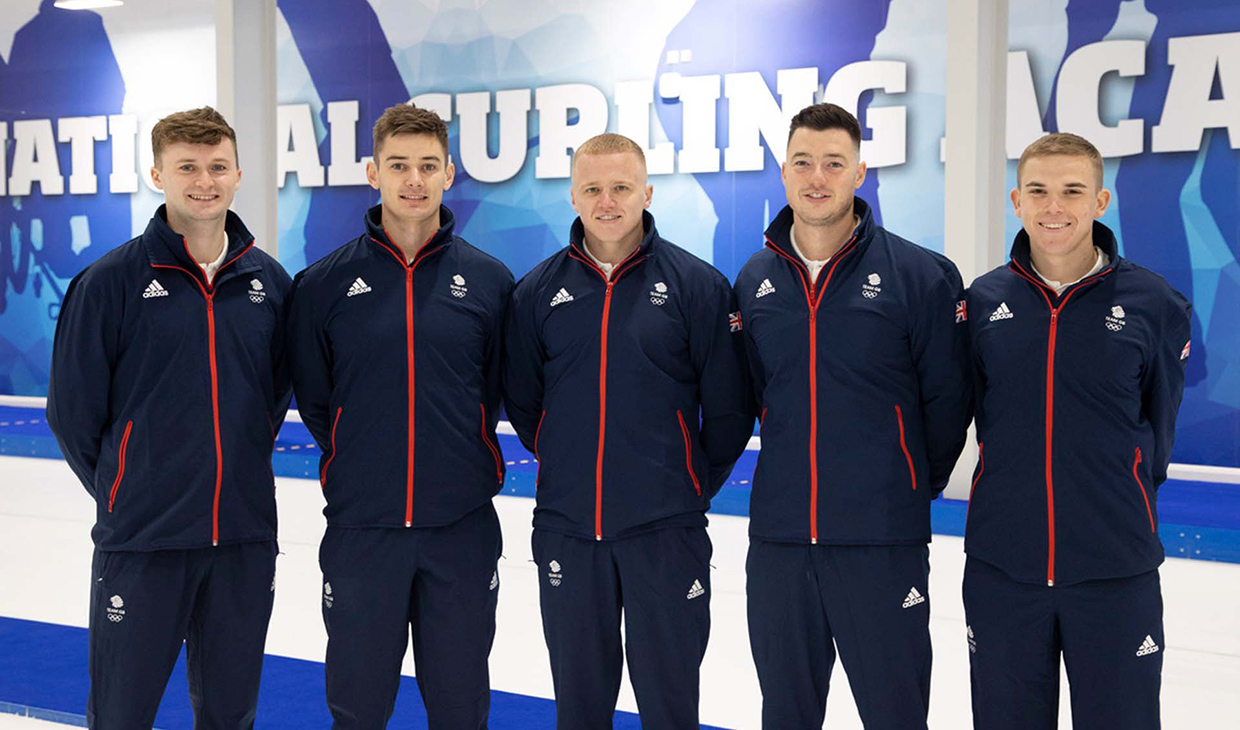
<point>706,86</point>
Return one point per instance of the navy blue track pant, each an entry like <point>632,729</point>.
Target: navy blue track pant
<point>868,601</point>
<point>442,581</point>
<point>1110,633</point>
<point>143,606</point>
<point>661,581</point>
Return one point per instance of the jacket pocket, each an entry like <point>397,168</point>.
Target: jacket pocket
<point>981,469</point>
<point>327,464</point>
<point>120,469</point>
<point>499,461</point>
<point>537,433</point>
<point>1144,495</point>
<point>912,473</point>
<point>684,432</point>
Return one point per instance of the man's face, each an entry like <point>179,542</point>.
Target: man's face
<point>411,176</point>
<point>198,180</point>
<point>821,175</point>
<point>609,193</point>
<point>1057,201</point>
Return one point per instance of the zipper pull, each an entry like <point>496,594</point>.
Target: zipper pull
<point>1054,316</point>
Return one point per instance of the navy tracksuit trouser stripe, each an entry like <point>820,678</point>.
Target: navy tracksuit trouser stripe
<point>441,581</point>
<point>1109,632</point>
<point>869,602</point>
<point>144,605</point>
<point>660,580</point>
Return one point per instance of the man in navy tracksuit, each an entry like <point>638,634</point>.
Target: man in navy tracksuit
<point>1078,360</point>
<point>165,395</point>
<point>395,341</point>
<point>857,353</point>
<point>625,377</point>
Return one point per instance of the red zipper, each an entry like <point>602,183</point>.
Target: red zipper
<point>120,469</point>
<point>1137,460</point>
<point>813,301</point>
<point>537,431</point>
<point>499,462</point>
<point>208,293</point>
<point>981,468</point>
<point>684,431</point>
<point>409,268</point>
<point>912,473</point>
<point>1050,403</point>
<point>626,265</point>
<point>328,463</point>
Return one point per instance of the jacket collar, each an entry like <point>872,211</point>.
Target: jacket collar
<point>647,248</point>
<point>1022,263</point>
<point>779,233</point>
<point>376,233</point>
<point>165,247</point>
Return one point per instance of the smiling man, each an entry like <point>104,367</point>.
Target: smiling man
<point>1078,362</point>
<point>165,394</point>
<point>624,376</point>
<point>396,342</point>
<point>857,352</point>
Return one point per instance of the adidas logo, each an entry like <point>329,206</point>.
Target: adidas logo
<point>1147,647</point>
<point>358,287</point>
<point>696,590</point>
<point>913,598</point>
<point>154,289</point>
<point>328,599</point>
<point>494,581</point>
<point>764,288</point>
<point>561,297</point>
<point>1001,313</point>
<point>972,640</point>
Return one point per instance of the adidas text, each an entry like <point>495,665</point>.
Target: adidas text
<point>1147,647</point>
<point>561,297</point>
<point>154,289</point>
<point>764,288</point>
<point>1001,313</point>
<point>358,287</point>
<point>913,598</point>
<point>696,590</point>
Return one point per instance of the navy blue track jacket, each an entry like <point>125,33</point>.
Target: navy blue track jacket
<point>1077,399</point>
<point>631,391</point>
<point>862,382</point>
<point>396,367</point>
<point>166,392</point>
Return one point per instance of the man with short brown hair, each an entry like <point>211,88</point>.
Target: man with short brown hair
<point>396,340</point>
<point>165,394</point>
<point>857,350</point>
<point>625,377</point>
<point>1078,360</point>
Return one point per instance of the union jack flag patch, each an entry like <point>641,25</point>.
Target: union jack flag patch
<point>1184,352</point>
<point>962,312</point>
<point>734,322</point>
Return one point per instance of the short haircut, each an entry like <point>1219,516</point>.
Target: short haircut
<point>609,144</point>
<point>196,126</point>
<point>821,117</point>
<point>1067,145</point>
<point>408,119</point>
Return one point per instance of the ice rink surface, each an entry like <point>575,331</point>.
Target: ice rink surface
<point>45,520</point>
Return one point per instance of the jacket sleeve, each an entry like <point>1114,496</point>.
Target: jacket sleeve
<point>717,350</point>
<point>753,362</point>
<point>523,365</point>
<point>310,362</point>
<point>1162,384</point>
<point>84,354</point>
<point>493,358</point>
<point>939,346</point>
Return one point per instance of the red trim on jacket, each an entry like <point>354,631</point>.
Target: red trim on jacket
<point>1137,460</point>
<point>1047,293</point>
<point>208,293</point>
<point>623,267</point>
<point>812,302</point>
<point>328,463</point>
<point>410,375</point>
<point>981,464</point>
<point>538,472</point>
<point>684,431</point>
<point>499,462</point>
<point>120,469</point>
<point>912,473</point>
